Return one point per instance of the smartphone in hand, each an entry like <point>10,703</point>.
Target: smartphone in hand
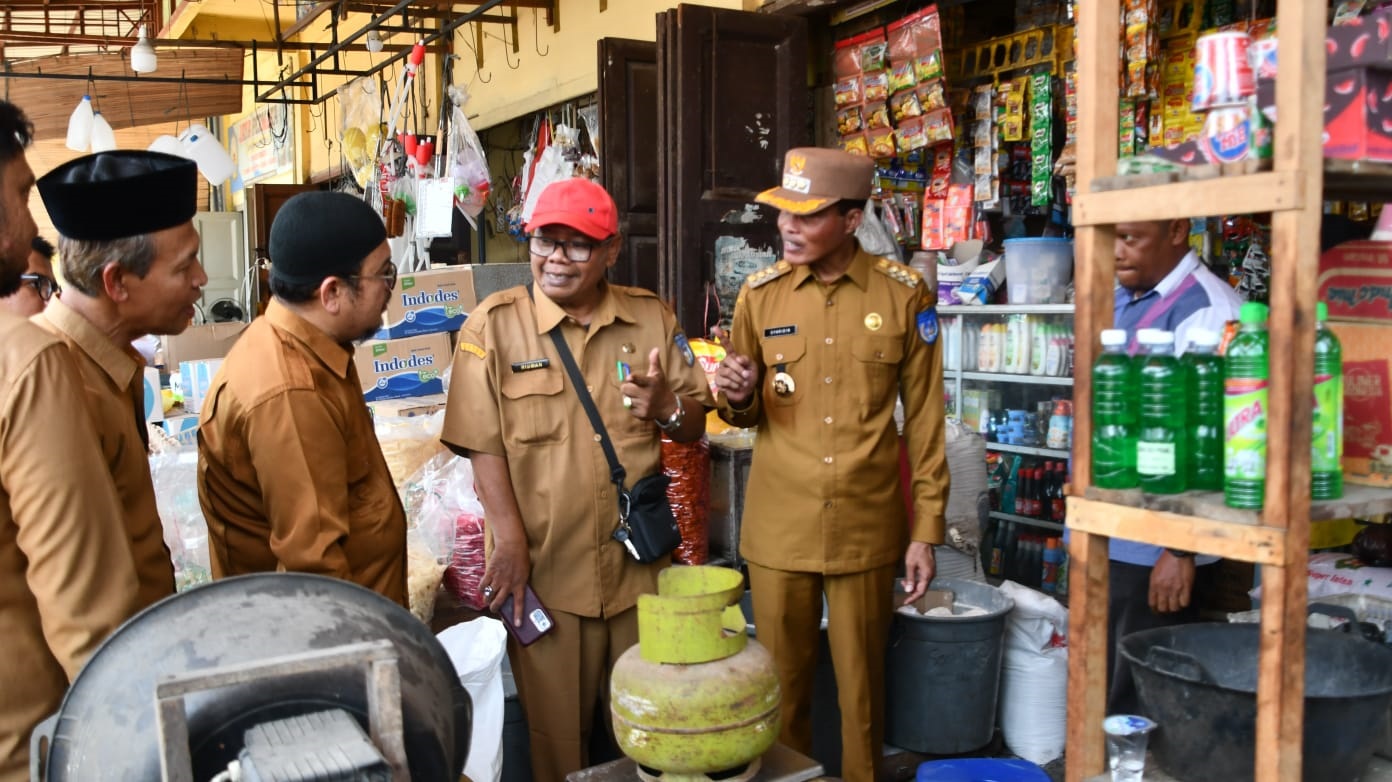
<point>536,620</point>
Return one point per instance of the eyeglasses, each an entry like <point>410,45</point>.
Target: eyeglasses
<point>389,276</point>
<point>576,250</point>
<point>43,285</point>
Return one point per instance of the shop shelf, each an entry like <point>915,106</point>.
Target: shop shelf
<point>1248,542</point>
<point>1356,180</point>
<point>1027,520</point>
<point>1357,502</point>
<point>1005,309</point>
<point>1001,377</point>
<point>1268,191</point>
<point>1028,450</point>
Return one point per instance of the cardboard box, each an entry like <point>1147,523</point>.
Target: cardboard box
<point>978,404</point>
<point>400,368</point>
<point>1367,402</point>
<point>194,379</point>
<point>208,341</point>
<point>1358,115</point>
<point>154,399</point>
<point>1355,281</point>
<point>1363,42</point>
<point>408,407</point>
<point>429,302</point>
<point>183,428</point>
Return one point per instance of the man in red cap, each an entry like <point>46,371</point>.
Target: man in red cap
<point>540,470</point>
<point>824,342</point>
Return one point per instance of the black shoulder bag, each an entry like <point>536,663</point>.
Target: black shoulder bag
<point>647,527</point>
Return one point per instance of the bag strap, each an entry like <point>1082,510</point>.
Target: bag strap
<point>577,380</point>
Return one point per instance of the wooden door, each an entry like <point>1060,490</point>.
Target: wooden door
<point>263,201</point>
<point>628,134</point>
<point>741,101</point>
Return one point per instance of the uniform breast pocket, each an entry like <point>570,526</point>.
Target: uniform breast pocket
<point>786,371</point>
<point>877,358</point>
<point>533,413</point>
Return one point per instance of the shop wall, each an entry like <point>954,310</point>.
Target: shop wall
<point>512,84</point>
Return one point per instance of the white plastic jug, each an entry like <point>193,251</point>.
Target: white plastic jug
<point>80,126</point>
<point>203,148</point>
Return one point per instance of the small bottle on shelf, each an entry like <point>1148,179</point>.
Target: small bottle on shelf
<point>1162,442</point>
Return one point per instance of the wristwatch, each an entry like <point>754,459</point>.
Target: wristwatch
<point>674,421</point>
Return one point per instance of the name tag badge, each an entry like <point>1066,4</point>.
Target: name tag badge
<point>528,366</point>
<point>780,331</point>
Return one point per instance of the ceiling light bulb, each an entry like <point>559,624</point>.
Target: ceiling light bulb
<point>142,54</point>
<point>374,41</point>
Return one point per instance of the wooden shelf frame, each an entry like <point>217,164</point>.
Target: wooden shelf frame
<point>1280,540</point>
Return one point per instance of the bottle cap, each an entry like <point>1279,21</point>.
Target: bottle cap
<point>1204,337</point>
<point>1252,312</point>
<point>1113,337</point>
<point>1154,337</point>
<point>1321,311</point>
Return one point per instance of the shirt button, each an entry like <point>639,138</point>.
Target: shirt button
<point>590,389</point>
<point>830,303</point>
<point>777,356</point>
<point>879,354</point>
<point>827,504</point>
<point>597,438</point>
<point>604,495</point>
<point>827,460</point>
<point>828,380</point>
<point>826,420</point>
<point>829,340</point>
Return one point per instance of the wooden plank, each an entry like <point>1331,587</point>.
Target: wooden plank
<point>1357,502</point>
<point>1247,542</point>
<point>1275,191</point>
<point>1087,657</point>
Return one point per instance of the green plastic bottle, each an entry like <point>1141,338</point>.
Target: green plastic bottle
<point>1205,379</point>
<point>1245,388</point>
<point>1162,440</point>
<point>1114,415</point>
<point>1327,422</point>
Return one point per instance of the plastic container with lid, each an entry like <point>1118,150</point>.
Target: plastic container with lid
<point>1038,270</point>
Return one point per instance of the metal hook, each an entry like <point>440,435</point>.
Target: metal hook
<point>536,29</point>
<point>478,54</point>
<point>506,58</point>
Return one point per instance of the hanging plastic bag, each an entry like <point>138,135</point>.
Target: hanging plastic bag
<point>360,132</point>
<point>551,167</point>
<point>874,236</point>
<point>468,162</point>
<point>174,473</point>
<point>442,497</point>
<point>1034,675</point>
<point>476,648</point>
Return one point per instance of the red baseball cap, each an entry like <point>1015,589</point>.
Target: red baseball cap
<point>577,203</point>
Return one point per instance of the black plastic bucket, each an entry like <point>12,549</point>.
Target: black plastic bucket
<point>946,665</point>
<point>1199,683</point>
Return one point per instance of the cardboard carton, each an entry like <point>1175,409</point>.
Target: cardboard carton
<point>1365,41</point>
<point>401,368</point>
<point>183,428</point>
<point>1367,402</point>
<point>408,407</point>
<point>212,340</point>
<point>154,400</point>
<point>194,379</point>
<point>1355,281</point>
<point>429,302</point>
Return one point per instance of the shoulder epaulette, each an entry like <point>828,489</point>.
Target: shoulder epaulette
<point>898,272</point>
<point>768,274</point>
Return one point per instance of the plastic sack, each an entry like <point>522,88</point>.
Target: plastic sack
<point>551,167</point>
<point>468,163</point>
<point>875,237</point>
<point>968,502</point>
<point>408,442</point>
<point>360,133</point>
<point>174,473</point>
<point>1034,675</point>
<point>441,501</point>
<point>476,648</point>
<point>688,467</point>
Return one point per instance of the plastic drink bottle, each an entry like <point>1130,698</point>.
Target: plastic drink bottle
<point>1205,368</point>
<point>1245,390</point>
<point>1114,415</point>
<point>1162,439</point>
<point>1327,423</point>
<point>1053,557</point>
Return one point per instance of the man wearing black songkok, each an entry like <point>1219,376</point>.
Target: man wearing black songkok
<point>290,474</point>
<point>129,254</point>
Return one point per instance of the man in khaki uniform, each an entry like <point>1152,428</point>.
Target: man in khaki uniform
<point>37,285</point>
<point>824,342</point>
<point>66,577</point>
<point>130,256</point>
<point>290,473</point>
<point>540,471</point>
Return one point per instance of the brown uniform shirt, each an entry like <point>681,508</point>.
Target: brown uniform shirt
<point>824,491</point>
<point>510,396</point>
<point>114,383</point>
<point>66,576</point>
<point>290,473</point>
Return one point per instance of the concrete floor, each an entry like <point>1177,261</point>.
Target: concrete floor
<point>1379,770</point>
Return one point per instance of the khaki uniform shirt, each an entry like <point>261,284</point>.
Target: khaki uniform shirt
<point>290,473</point>
<point>510,396</point>
<point>824,490</point>
<point>112,376</point>
<point>66,576</point>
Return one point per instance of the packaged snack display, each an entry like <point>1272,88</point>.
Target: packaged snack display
<point>847,91</point>
<point>904,105</point>
<point>881,142</point>
<point>877,115</point>
<point>856,144</point>
<point>849,120</point>
<point>875,85</point>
